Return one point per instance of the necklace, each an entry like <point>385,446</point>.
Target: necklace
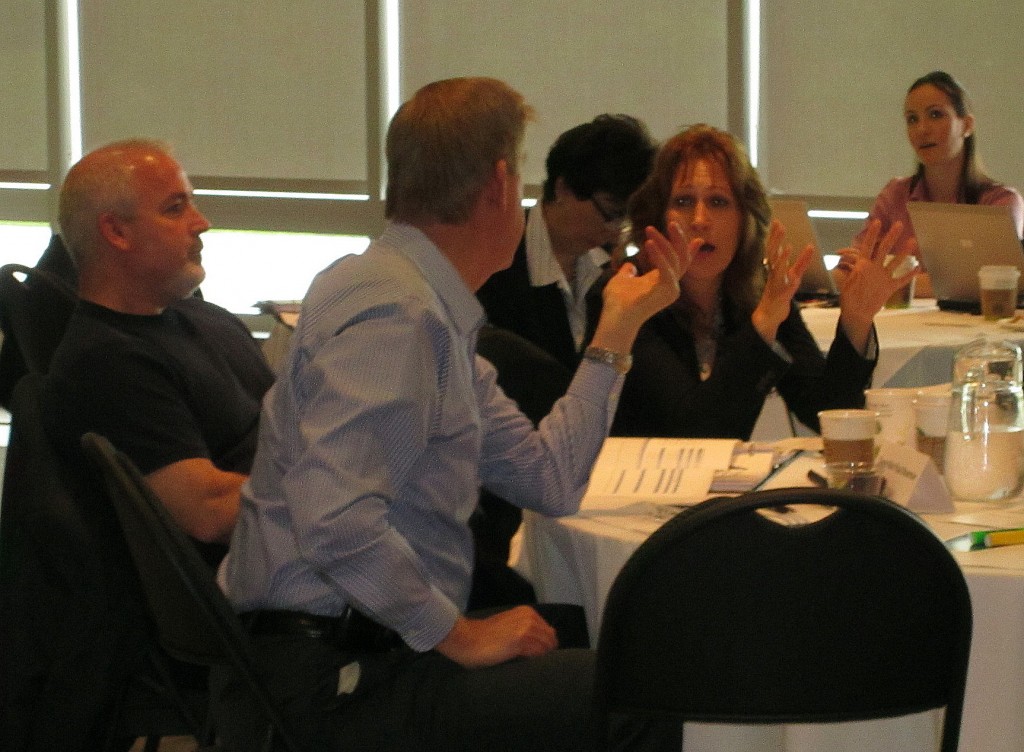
<point>706,344</point>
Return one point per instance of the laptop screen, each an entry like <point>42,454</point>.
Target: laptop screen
<point>792,213</point>
<point>958,239</point>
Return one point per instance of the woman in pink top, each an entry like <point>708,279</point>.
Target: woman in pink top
<point>940,128</point>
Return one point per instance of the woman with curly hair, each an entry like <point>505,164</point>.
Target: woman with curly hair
<point>704,366</point>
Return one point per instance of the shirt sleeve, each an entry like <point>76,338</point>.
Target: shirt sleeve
<point>547,469</point>
<point>839,381</point>
<point>1005,196</point>
<point>130,398</point>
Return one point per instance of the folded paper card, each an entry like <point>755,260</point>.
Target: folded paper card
<point>911,479</point>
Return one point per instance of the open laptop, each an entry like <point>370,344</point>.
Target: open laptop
<point>956,240</point>
<point>817,282</point>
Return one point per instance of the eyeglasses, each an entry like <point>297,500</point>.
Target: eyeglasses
<point>612,216</point>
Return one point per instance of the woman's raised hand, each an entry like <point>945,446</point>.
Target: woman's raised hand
<point>783,281</point>
<point>865,280</point>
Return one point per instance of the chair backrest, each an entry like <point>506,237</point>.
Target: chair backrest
<point>192,617</point>
<point>38,510</point>
<point>726,615</point>
<point>526,373</point>
<point>35,307</point>
<point>73,634</point>
<point>45,566</point>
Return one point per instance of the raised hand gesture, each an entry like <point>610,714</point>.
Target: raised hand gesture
<point>865,279</point>
<point>782,283</point>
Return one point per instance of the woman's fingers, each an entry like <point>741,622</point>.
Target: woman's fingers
<point>887,243</point>
<point>867,243</point>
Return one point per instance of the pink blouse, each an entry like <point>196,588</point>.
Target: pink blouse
<point>891,206</point>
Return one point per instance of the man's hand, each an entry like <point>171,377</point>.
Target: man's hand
<point>518,632</point>
<point>630,299</point>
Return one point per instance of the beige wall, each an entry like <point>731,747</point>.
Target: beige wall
<point>288,93</point>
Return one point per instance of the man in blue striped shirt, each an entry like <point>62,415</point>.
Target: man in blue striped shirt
<point>350,562</point>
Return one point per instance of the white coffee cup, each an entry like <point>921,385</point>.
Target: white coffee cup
<point>931,415</point>
<point>895,408</point>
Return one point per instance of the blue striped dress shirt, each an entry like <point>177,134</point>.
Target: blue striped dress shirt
<point>373,443</point>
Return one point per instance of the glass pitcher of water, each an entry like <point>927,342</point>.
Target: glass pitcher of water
<point>984,457</point>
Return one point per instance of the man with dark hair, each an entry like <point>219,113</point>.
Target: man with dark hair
<point>373,443</point>
<point>542,310</point>
<point>592,170</point>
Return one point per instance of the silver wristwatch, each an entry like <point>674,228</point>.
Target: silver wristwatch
<point>621,362</point>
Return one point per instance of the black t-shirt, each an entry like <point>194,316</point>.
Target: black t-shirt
<point>184,384</point>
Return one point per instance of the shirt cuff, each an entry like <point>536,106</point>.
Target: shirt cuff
<point>871,352</point>
<point>598,383</point>
<point>431,624</point>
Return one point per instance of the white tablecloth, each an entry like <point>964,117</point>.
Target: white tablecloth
<point>916,347</point>
<point>575,560</point>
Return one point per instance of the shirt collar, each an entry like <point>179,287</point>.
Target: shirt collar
<point>541,264</point>
<point>444,279</point>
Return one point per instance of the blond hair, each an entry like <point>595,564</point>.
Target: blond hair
<point>443,144</point>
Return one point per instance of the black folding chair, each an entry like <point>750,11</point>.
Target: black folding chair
<point>726,615</point>
<point>78,669</point>
<point>34,310</point>
<point>191,616</point>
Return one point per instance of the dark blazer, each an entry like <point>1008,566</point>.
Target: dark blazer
<point>664,396</point>
<point>535,313</point>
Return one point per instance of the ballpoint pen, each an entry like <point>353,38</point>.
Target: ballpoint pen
<point>778,468</point>
<point>979,539</point>
<point>817,479</point>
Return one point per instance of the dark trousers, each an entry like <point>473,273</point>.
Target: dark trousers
<point>405,701</point>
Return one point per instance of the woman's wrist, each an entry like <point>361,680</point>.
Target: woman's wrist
<point>764,326</point>
<point>857,329</point>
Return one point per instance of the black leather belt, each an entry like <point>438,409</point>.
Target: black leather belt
<point>350,632</point>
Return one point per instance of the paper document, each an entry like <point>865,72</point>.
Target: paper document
<point>636,471</point>
<point>746,471</point>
